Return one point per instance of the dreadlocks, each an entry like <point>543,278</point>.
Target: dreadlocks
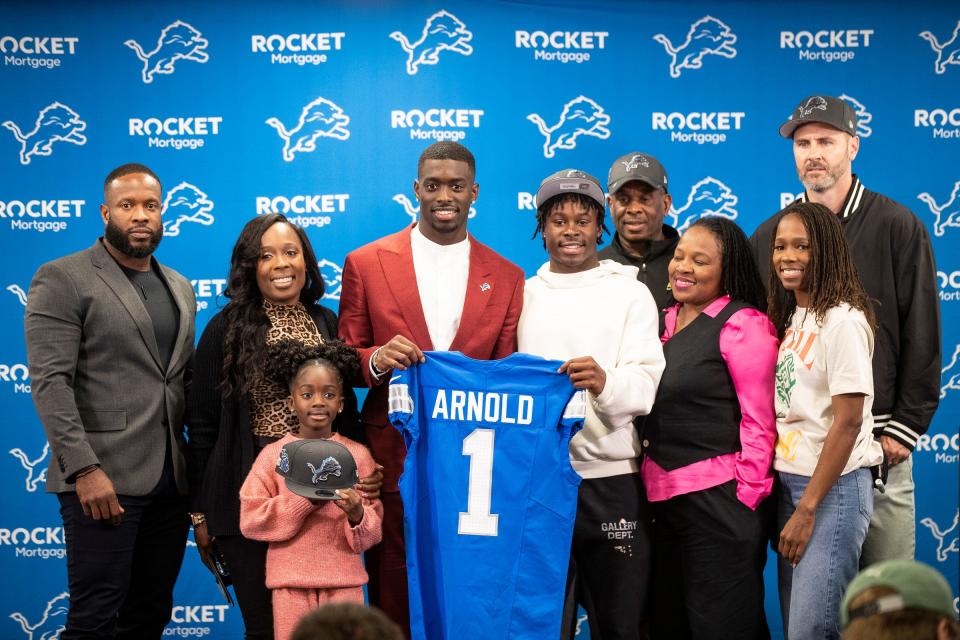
<point>831,277</point>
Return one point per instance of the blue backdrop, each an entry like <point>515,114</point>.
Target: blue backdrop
<point>320,110</point>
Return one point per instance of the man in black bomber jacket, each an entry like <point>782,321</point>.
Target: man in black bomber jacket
<point>892,252</point>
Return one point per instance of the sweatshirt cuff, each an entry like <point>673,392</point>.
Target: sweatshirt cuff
<point>606,395</point>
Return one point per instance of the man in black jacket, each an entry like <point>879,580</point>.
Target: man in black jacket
<point>638,199</point>
<point>893,256</point>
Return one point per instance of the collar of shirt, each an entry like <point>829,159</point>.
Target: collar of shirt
<point>852,202</point>
<point>441,272</point>
<point>670,316</point>
<point>422,243</point>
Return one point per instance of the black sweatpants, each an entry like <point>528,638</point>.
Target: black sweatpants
<point>708,567</point>
<point>610,559</point>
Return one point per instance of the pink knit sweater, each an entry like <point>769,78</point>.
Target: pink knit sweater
<point>311,546</point>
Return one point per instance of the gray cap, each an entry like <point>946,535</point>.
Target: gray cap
<point>824,109</point>
<point>315,468</point>
<point>570,181</point>
<point>636,166</point>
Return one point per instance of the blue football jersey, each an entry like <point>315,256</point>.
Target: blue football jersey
<point>488,492</point>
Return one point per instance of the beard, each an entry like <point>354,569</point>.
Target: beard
<point>831,176</point>
<point>120,240</point>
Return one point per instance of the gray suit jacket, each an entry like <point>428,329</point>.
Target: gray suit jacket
<point>97,381</point>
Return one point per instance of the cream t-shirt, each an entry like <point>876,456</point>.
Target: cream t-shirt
<point>815,363</point>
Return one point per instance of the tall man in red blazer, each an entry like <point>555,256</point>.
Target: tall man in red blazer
<point>428,287</point>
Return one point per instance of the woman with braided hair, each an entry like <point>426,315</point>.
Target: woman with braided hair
<point>824,394</point>
<point>274,288</point>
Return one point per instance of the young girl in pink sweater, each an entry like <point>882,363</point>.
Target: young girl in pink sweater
<point>315,545</point>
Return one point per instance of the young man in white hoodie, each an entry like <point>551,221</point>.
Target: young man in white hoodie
<point>603,323</point>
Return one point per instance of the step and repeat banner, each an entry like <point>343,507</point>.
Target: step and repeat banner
<point>320,111</point>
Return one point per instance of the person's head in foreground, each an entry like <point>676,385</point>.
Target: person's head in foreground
<point>346,621</point>
<point>899,599</point>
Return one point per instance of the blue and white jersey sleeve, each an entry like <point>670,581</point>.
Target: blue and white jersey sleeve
<point>401,408</point>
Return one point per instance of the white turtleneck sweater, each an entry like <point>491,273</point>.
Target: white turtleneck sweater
<point>605,313</point>
<point>442,272</point>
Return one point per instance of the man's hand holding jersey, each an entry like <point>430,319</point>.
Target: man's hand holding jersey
<point>398,353</point>
<point>585,373</point>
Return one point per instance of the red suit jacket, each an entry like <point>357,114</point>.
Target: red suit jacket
<point>380,299</point>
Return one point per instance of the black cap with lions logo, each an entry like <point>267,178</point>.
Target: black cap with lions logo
<point>317,468</point>
<point>636,166</point>
<point>823,109</point>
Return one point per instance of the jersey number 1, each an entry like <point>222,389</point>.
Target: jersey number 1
<point>477,520</point>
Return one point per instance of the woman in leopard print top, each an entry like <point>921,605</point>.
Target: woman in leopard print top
<point>274,287</point>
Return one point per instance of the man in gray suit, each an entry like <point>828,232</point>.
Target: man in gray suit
<point>109,339</point>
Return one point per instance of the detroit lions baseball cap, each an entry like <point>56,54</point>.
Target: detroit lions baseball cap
<point>570,181</point>
<point>636,166</point>
<point>917,586</point>
<point>824,109</point>
<point>316,468</point>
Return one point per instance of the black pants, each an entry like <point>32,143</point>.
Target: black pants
<point>247,562</point>
<point>610,559</point>
<point>708,571</point>
<point>121,577</point>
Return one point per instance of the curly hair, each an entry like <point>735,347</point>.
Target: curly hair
<point>741,280</point>
<point>831,277</point>
<point>544,210</point>
<point>246,322</point>
<point>284,360</point>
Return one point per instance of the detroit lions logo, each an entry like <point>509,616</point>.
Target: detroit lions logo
<point>947,539</point>
<point>332,276</point>
<point>36,468</point>
<point>442,32</point>
<point>709,197</point>
<point>635,162</point>
<point>18,291</point>
<point>55,123</point>
<point>283,464</point>
<point>177,41</point>
<point>580,117</point>
<point>414,211</point>
<point>947,53</point>
<point>53,621</point>
<point>863,116</point>
<point>946,214</point>
<point>950,379</point>
<point>185,203</point>
<point>329,467</point>
<point>707,36</point>
<point>319,119</point>
<point>816,103</point>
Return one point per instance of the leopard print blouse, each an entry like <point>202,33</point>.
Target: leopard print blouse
<point>270,413</point>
